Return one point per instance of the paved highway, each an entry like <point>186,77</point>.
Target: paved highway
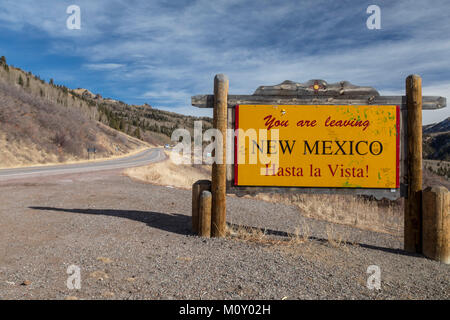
<point>142,158</point>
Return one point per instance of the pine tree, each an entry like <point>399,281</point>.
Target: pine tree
<point>137,133</point>
<point>20,82</point>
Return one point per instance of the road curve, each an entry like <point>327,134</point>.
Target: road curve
<point>142,158</point>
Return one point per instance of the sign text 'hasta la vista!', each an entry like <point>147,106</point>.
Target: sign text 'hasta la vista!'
<point>317,146</point>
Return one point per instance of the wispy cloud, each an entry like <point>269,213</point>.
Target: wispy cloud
<point>103,66</point>
<point>167,51</point>
<point>169,96</point>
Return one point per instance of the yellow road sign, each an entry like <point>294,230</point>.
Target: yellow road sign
<point>317,146</point>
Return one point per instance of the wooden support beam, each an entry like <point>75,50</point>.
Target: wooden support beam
<point>436,224</point>
<point>413,202</point>
<point>205,214</point>
<point>218,183</point>
<point>429,102</point>
<point>197,188</point>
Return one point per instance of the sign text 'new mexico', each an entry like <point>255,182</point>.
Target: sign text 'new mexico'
<point>317,146</point>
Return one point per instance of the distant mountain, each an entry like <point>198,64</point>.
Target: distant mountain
<point>436,141</point>
<point>443,126</point>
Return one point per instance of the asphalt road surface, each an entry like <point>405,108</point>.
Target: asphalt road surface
<point>139,159</point>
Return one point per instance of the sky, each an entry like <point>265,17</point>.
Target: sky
<point>163,52</point>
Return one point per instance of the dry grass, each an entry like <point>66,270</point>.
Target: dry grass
<point>360,212</point>
<point>295,243</point>
<point>20,155</point>
<point>300,236</point>
<point>168,173</point>
<point>335,239</point>
<point>246,233</point>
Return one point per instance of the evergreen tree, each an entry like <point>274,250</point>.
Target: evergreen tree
<point>20,82</point>
<point>137,133</point>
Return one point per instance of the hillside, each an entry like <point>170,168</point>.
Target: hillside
<point>436,141</point>
<point>143,122</point>
<point>35,130</point>
<point>46,123</point>
<point>443,126</point>
<point>436,148</point>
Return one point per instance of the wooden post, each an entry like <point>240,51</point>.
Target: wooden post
<point>197,188</point>
<point>205,214</point>
<point>413,206</point>
<point>436,224</point>
<point>218,183</point>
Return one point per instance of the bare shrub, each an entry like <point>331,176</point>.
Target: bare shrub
<point>246,233</point>
<point>59,139</point>
<point>301,234</point>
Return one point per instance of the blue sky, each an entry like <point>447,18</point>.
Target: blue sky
<point>162,52</point>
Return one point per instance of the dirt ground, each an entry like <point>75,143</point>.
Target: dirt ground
<point>132,240</point>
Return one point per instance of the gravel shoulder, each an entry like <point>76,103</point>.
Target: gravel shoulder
<point>132,240</point>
